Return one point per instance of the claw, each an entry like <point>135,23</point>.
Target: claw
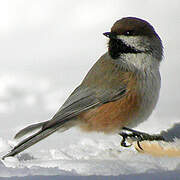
<point>138,136</point>
<point>123,142</point>
<point>139,145</point>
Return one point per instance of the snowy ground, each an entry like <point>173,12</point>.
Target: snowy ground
<point>90,156</point>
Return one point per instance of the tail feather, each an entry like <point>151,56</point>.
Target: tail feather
<point>28,130</point>
<point>41,134</point>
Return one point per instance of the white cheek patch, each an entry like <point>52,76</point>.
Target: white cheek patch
<point>133,41</point>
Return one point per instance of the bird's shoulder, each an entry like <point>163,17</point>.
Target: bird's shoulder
<point>109,74</point>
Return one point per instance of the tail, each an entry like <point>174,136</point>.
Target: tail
<point>33,139</point>
<point>29,129</point>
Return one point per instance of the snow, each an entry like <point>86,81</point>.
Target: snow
<point>88,156</point>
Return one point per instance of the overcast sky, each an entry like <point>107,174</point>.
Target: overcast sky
<point>47,47</point>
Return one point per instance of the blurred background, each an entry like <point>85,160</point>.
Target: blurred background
<point>47,47</point>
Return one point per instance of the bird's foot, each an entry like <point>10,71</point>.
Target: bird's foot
<point>132,135</point>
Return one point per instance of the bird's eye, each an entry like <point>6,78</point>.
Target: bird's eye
<point>129,33</point>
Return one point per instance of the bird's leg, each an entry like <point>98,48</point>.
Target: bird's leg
<point>137,136</point>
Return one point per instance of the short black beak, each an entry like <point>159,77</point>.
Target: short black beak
<point>110,35</point>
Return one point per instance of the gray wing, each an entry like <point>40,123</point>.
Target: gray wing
<point>81,100</point>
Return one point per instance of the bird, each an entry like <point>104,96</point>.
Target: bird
<point>118,93</point>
